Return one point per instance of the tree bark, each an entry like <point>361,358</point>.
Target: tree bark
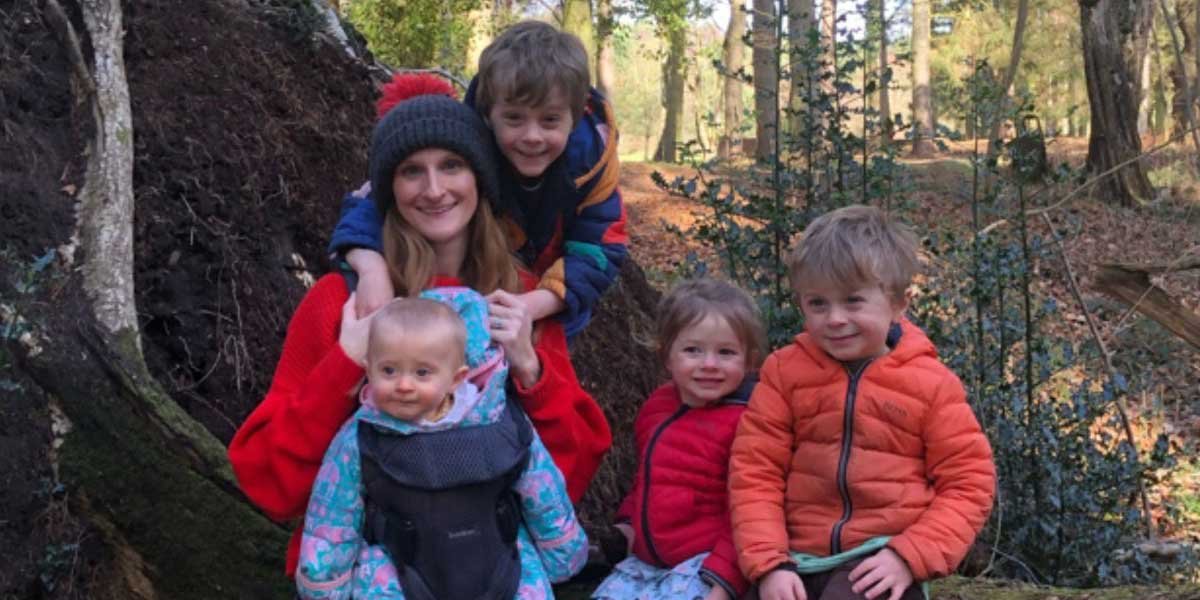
<point>922,93</point>
<point>802,23</point>
<point>766,78</point>
<point>606,68</point>
<point>1114,35</point>
<point>1010,74</point>
<point>885,77</point>
<point>733,56</point>
<point>828,26</point>
<point>673,82</point>
<point>154,483</point>
<point>577,19</point>
<point>1181,72</point>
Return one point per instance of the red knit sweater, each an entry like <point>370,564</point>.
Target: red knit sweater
<point>277,451</point>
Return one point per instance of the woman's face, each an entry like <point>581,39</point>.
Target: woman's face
<point>435,194</point>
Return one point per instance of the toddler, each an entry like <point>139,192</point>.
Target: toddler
<point>675,518</point>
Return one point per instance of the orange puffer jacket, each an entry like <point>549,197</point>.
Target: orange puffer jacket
<point>841,458</point>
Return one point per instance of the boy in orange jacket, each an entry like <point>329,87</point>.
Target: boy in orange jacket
<point>858,470</point>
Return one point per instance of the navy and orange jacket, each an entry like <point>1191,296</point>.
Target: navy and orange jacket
<point>678,506</point>
<point>569,228</point>
<point>277,451</point>
<point>826,459</point>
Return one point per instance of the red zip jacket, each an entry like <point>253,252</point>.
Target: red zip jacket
<point>679,504</point>
<point>277,451</point>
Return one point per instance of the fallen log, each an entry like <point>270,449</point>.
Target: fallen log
<point>1130,283</point>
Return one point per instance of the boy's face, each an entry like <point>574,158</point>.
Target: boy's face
<point>532,137</point>
<point>411,374</point>
<point>849,322</point>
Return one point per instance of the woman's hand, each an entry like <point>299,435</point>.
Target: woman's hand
<point>354,332</point>
<point>511,326</point>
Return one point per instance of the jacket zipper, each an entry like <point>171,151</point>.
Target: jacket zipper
<point>835,538</point>
<point>646,483</point>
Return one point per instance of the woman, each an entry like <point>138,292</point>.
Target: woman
<point>434,174</point>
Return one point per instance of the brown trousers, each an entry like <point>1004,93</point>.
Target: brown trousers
<point>835,585</point>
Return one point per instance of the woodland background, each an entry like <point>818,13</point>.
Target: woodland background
<point>170,172</point>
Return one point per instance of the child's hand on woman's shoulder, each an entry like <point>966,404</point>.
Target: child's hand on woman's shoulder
<point>883,572</point>
<point>781,584</point>
<point>354,332</point>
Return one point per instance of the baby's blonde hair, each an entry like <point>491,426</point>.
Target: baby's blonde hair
<point>855,246</point>
<point>418,315</point>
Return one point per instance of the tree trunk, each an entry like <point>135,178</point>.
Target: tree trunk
<point>606,68</point>
<point>766,78</point>
<point>1114,32</point>
<point>885,76</point>
<point>673,82</point>
<point>1147,94</point>
<point>828,25</point>
<point>802,22</point>
<point>733,56</point>
<point>155,485</point>
<point>1181,72</point>
<point>922,93</point>
<point>1010,74</point>
<point>577,19</point>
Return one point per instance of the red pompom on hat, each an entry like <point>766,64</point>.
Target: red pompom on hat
<point>409,85</point>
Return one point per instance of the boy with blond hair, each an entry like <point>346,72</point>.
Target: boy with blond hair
<point>559,199</point>
<point>858,469</point>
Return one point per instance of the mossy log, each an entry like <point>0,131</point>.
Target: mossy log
<point>168,524</point>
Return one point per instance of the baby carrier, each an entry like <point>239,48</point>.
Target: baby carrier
<point>442,506</point>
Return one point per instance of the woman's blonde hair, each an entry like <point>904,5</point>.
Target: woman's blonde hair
<point>488,265</point>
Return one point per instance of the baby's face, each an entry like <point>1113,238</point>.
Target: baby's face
<point>411,375</point>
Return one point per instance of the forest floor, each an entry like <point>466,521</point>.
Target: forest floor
<point>1164,371</point>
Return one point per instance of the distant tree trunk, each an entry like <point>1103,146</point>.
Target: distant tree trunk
<point>766,78</point>
<point>1147,95</point>
<point>922,93</point>
<point>1114,32</point>
<point>885,78</point>
<point>1010,74</point>
<point>802,22</point>
<point>673,82</point>
<point>577,19</point>
<point>606,68</point>
<point>1183,73</point>
<point>733,56</point>
<point>829,10</point>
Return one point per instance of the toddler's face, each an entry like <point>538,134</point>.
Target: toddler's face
<point>412,375</point>
<point>848,322</point>
<point>707,361</point>
<point>531,137</point>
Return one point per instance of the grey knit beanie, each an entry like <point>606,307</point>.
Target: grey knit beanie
<point>431,121</point>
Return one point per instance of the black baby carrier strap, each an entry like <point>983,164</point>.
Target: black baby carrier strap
<point>442,505</point>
